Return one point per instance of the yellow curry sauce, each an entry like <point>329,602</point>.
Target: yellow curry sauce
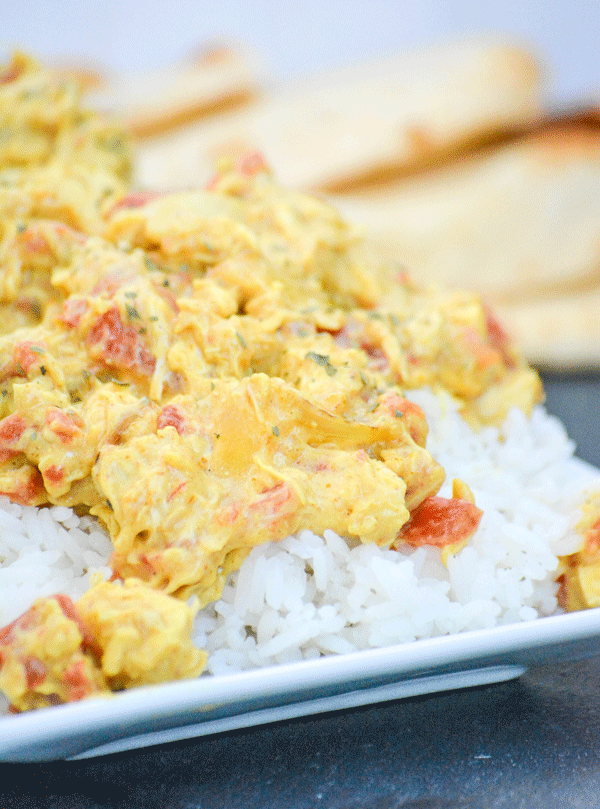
<point>205,371</point>
<point>580,573</point>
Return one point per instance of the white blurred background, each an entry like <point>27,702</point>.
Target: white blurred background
<point>297,38</point>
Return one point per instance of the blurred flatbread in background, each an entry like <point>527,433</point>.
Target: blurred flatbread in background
<point>557,333</point>
<point>216,79</point>
<point>337,130</point>
<point>514,221</point>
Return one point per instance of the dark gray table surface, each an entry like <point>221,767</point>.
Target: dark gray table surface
<point>533,743</point>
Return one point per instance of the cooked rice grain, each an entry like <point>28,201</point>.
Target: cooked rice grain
<point>308,595</point>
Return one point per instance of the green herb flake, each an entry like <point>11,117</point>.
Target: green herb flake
<point>130,294</point>
<point>323,361</point>
<point>276,431</point>
<point>43,370</point>
<point>150,265</point>
<point>132,312</point>
<point>373,407</point>
<point>398,413</point>
<point>112,144</point>
<point>241,339</point>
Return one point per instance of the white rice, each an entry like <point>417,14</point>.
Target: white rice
<point>308,595</point>
<point>46,551</point>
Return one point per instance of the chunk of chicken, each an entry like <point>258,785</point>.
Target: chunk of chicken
<point>118,635</point>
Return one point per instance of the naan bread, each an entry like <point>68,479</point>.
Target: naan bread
<point>513,221</point>
<point>212,82</point>
<point>336,130</point>
<point>559,333</point>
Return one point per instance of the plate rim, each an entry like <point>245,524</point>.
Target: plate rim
<point>70,730</point>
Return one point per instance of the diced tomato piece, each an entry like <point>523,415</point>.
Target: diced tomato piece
<point>227,515</point>
<point>77,684</point>
<point>25,356</point>
<point>113,281</point>
<point>248,165</point>
<point>171,416</point>
<point>12,71</point>
<point>34,239</point>
<point>12,428</point>
<point>251,164</point>
<point>484,353</point>
<point>403,278</point>
<point>27,492</point>
<point>498,337</point>
<point>54,474</point>
<point>495,330</point>
<point>274,505</point>
<point>73,310</point>
<point>592,540</point>
<point>35,671</point>
<point>440,521</point>
<point>137,199</point>
<point>64,425</point>
<point>119,345</point>
<point>378,359</point>
<point>7,454</point>
<point>411,414</point>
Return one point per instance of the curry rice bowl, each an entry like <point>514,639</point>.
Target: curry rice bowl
<point>309,595</point>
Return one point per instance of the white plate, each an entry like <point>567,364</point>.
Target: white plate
<point>212,704</point>
<point>182,710</point>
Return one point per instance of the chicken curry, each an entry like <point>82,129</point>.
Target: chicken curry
<point>205,371</point>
